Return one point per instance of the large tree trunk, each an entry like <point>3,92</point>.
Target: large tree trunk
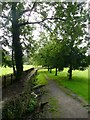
<point>70,72</point>
<point>16,42</point>
<point>18,56</point>
<point>56,72</point>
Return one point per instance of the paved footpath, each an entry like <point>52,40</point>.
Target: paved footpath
<point>68,106</point>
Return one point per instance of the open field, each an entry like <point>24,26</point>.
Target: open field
<point>78,84</point>
<point>8,70</point>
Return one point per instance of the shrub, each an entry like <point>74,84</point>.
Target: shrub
<point>32,105</point>
<point>15,107</point>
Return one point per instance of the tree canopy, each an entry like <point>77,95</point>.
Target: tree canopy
<point>65,24</point>
<point>71,38</point>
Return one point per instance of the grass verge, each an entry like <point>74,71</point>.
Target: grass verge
<point>41,80</point>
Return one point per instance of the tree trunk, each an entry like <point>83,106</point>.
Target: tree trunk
<point>16,42</point>
<point>56,72</point>
<point>50,70</point>
<point>70,72</point>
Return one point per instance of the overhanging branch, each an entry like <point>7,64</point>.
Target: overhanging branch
<point>28,10</point>
<point>47,27</point>
<point>38,22</point>
<point>6,17</point>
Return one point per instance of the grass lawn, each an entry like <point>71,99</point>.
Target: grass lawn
<point>78,84</point>
<point>8,70</point>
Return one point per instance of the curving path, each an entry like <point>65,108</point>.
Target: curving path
<point>68,107</point>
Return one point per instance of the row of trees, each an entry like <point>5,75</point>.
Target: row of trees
<point>65,21</point>
<point>69,43</point>
<point>55,55</point>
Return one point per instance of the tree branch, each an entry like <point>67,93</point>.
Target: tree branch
<point>28,10</point>
<point>38,22</point>
<point>6,17</point>
<point>47,27</point>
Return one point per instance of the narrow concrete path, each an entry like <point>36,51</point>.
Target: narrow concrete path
<point>68,107</point>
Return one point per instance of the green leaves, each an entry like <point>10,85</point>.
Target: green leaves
<point>51,55</point>
<point>6,59</point>
<point>66,38</point>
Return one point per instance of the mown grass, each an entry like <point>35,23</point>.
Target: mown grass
<point>41,78</point>
<point>78,84</point>
<point>8,70</point>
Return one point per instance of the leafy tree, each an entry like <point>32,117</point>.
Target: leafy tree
<point>50,55</point>
<point>72,32</point>
<point>68,20</point>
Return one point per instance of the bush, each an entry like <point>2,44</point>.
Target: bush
<point>32,105</point>
<point>15,107</point>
